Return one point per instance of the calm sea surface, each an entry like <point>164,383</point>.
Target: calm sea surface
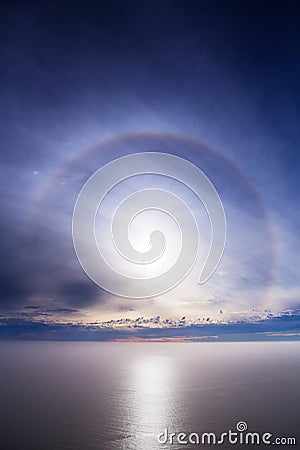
<point>107,396</point>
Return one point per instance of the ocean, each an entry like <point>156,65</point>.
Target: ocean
<point>114,395</point>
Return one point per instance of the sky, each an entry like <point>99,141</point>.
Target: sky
<point>82,84</point>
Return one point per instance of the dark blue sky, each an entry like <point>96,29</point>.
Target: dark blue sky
<point>74,74</point>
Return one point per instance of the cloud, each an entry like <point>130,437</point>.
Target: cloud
<point>14,290</point>
<point>285,327</point>
<point>81,293</point>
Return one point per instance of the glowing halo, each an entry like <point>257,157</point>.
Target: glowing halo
<point>83,164</point>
